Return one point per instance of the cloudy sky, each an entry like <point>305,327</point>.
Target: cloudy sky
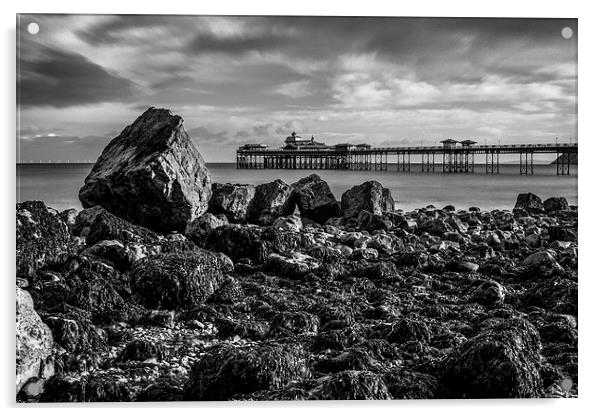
<point>235,80</point>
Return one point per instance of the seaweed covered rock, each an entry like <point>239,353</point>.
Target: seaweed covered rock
<point>34,342</point>
<point>42,237</point>
<point>271,200</point>
<point>291,223</point>
<point>107,226</point>
<point>224,372</point>
<point>501,362</point>
<point>489,293</point>
<point>315,199</point>
<point>151,174</point>
<point>370,196</point>
<point>403,384</point>
<point>232,200</point>
<point>351,385</point>
<point>176,280</point>
<point>409,329</point>
<point>256,243</point>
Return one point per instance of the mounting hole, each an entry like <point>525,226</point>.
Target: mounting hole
<point>566,32</point>
<point>33,28</point>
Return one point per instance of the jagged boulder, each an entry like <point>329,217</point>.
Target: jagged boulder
<point>224,372</point>
<point>369,196</point>
<point>34,342</point>
<point>232,200</point>
<point>42,237</point>
<point>271,200</point>
<point>151,174</point>
<point>315,199</point>
<point>529,202</point>
<point>176,280</point>
<point>501,362</point>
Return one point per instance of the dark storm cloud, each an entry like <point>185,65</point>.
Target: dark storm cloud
<point>61,79</point>
<point>209,43</point>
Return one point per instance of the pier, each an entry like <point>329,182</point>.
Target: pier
<point>450,157</point>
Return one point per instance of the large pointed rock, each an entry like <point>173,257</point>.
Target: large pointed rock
<point>151,174</point>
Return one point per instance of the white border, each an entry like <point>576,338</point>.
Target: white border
<point>589,191</point>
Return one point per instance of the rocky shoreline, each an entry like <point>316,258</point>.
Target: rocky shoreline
<point>280,292</point>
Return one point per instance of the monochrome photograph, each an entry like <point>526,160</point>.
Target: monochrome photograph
<point>291,208</point>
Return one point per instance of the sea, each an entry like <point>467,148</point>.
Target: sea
<point>57,184</point>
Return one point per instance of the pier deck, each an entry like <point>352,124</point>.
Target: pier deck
<point>451,159</point>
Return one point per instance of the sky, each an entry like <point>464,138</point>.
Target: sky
<point>81,79</point>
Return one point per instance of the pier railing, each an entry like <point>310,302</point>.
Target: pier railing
<point>460,159</point>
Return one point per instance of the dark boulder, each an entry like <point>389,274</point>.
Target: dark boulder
<point>315,199</point>
<point>151,174</point>
<point>501,362</point>
<point>224,372</point>
<point>410,385</point>
<point>107,226</point>
<point>369,196</point>
<point>271,200</point>
<point>42,238</point>
<point>489,293</point>
<point>554,204</point>
<point>232,200</point>
<point>176,280</point>
<point>409,329</point>
<point>352,359</point>
<point>529,202</point>
<point>294,323</point>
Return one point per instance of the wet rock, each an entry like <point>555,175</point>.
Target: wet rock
<point>296,265</point>
<point>369,196</point>
<point>229,292</point>
<point>201,226</point>
<point>315,199</point>
<point>34,342</point>
<point>501,362</point>
<point>141,350</point>
<point>352,359</point>
<point>489,293</point>
<point>179,280</point>
<point>232,200</point>
<point>111,250</point>
<point>42,238</point>
<point>290,223</point>
<point>253,329</point>
<point>256,243</point>
<point>272,200</point>
<point>529,202</point>
<point>294,323</point>
<point>351,385</point>
<point>562,233</point>
<point>541,258</point>
<point>224,372</point>
<point>554,204</point>
<point>151,174</point>
<point>99,297</point>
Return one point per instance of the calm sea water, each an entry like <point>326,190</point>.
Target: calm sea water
<point>58,184</point>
